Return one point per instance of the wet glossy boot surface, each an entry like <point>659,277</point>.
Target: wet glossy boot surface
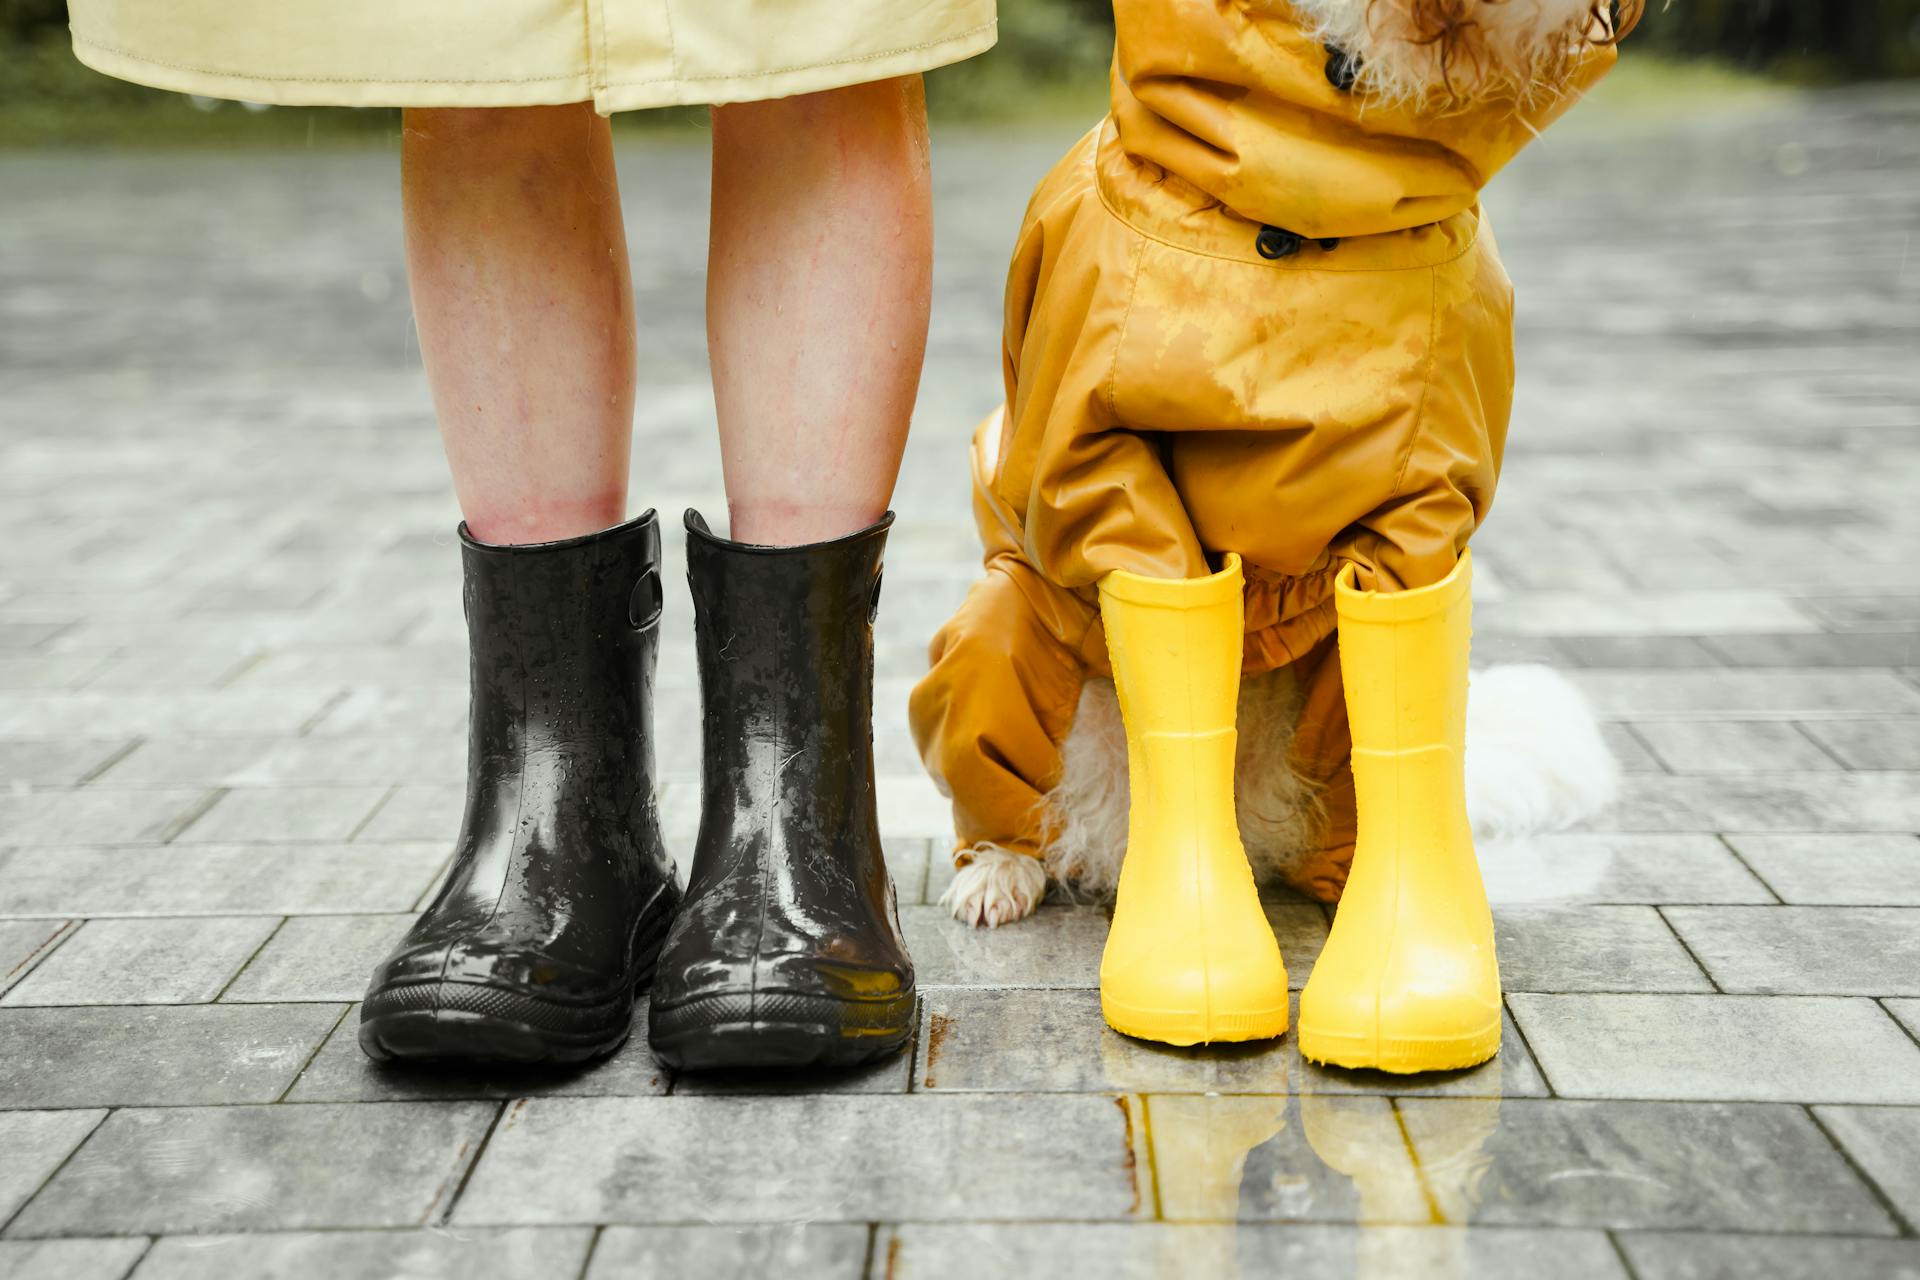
<point>787,950</point>
<point>560,891</point>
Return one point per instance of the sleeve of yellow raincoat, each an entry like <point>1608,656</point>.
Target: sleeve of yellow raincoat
<point>1103,499</point>
<point>1006,670</point>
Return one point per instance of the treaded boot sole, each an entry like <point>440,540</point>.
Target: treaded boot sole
<point>1400,1055</point>
<point>440,1021</point>
<point>1189,1026</point>
<point>430,1021</point>
<point>778,1029</point>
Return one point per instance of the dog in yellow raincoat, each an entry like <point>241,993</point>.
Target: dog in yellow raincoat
<point>1259,363</point>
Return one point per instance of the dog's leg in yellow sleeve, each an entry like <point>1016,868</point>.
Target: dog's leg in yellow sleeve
<point>1191,957</point>
<point>1407,981</point>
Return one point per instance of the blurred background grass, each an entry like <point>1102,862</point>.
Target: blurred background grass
<point>1051,61</point>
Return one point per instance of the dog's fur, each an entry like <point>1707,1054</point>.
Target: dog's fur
<point>1437,54</point>
<point>1535,762</point>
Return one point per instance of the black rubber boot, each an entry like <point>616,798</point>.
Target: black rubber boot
<point>787,950</point>
<point>561,890</point>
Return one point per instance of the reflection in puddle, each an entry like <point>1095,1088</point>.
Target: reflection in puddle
<point>1447,1163</point>
<point>1393,1199</point>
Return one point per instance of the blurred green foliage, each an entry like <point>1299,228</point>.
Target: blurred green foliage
<point>1798,39</point>
<point>47,96</point>
<point>1051,54</point>
<point>1051,58</point>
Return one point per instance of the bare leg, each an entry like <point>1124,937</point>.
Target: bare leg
<point>819,279</point>
<point>518,265</point>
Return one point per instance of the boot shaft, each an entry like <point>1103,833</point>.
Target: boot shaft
<point>1175,645</point>
<point>1175,648</point>
<point>562,639</point>
<point>1403,660</point>
<point>784,637</point>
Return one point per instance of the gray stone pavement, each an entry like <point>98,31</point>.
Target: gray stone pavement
<point>230,734</point>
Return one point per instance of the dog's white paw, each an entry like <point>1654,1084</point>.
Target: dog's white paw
<point>996,888</point>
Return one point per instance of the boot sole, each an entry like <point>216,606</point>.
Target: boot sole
<point>1187,1027</point>
<point>777,1029</point>
<point>442,1021</point>
<point>439,1021</point>
<point>1400,1055</point>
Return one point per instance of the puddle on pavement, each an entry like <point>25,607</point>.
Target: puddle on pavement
<point>1226,1163</point>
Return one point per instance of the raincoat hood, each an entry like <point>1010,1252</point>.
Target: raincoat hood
<point>1238,99</point>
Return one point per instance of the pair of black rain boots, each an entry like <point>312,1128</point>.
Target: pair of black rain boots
<point>562,904</point>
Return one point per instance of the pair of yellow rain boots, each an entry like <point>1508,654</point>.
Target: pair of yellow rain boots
<point>1407,981</point>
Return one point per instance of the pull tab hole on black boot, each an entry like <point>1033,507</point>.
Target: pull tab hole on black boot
<point>646,602</point>
<point>873,601</point>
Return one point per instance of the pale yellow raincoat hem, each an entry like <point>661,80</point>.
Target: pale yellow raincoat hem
<point>619,56</point>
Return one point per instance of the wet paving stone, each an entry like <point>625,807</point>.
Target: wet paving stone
<point>207,1169</point>
<point>1147,1251</point>
<point>416,812</point>
<point>639,1160</point>
<point>521,1253</point>
<point>25,943</point>
<point>56,762</point>
<point>1833,868</point>
<point>1736,1048</point>
<point>156,1055</point>
<point>1873,744</point>
<point>1701,1166</point>
<point>1885,1143</point>
<point>1681,1256</point>
<point>1786,694</point>
<point>830,1252</point>
<point>36,1142</point>
<point>121,714</point>
<point>1907,1012</point>
<point>1592,948</point>
<point>182,961</point>
<point>1734,746</point>
<point>95,817</point>
<point>284,814</point>
<point>70,1259</point>
<point>328,958</point>
<point>1770,802</point>
<point>1594,867</point>
<point>1859,649</point>
<point>1805,950</point>
<point>216,880</point>
<point>1058,946</point>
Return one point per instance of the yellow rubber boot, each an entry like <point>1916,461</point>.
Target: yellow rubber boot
<point>1407,981</point>
<point>1191,957</point>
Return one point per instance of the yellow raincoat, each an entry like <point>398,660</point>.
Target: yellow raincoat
<point>1250,312</point>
